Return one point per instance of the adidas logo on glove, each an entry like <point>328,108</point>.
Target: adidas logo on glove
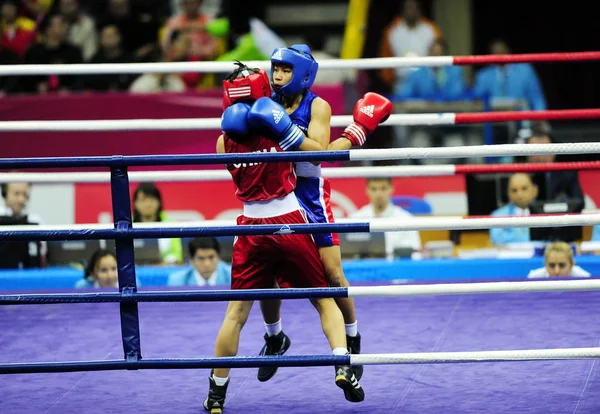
<point>368,110</point>
<point>278,114</point>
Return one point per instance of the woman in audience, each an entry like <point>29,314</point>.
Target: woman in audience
<point>558,262</point>
<point>101,271</point>
<point>148,208</point>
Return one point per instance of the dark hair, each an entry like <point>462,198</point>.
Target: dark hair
<point>150,190</point>
<point>4,189</point>
<point>91,265</point>
<point>204,243</point>
<point>388,179</point>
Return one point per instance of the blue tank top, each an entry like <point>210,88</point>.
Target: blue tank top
<point>301,117</point>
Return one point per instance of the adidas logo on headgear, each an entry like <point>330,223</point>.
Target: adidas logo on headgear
<point>368,110</point>
<point>277,116</point>
<point>277,55</point>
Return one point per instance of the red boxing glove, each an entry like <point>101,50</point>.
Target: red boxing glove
<point>370,111</point>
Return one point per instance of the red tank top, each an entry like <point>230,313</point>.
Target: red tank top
<point>262,181</point>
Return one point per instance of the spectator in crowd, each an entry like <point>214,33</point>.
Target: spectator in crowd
<point>509,82</point>
<point>558,262</point>
<point>207,268</point>
<point>17,33</point>
<point>53,49</point>
<point>82,28</point>
<point>379,192</point>
<point>8,84</point>
<point>202,45</point>
<point>315,39</point>
<point>434,83</point>
<point>16,197</point>
<point>168,82</point>
<point>139,30</point>
<point>521,192</point>
<point>148,208</point>
<point>111,51</point>
<point>408,35</point>
<point>101,271</point>
<point>553,185</point>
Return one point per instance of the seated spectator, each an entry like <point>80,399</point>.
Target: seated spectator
<point>168,82</point>
<point>434,83</point>
<point>101,271</point>
<point>207,268</point>
<point>521,192</point>
<point>8,84</point>
<point>82,28</point>
<point>139,30</point>
<point>17,33</point>
<point>558,262</point>
<point>202,45</point>
<point>53,49</point>
<point>111,51</point>
<point>16,197</point>
<point>148,208</point>
<point>379,191</point>
<point>513,81</point>
<point>553,185</point>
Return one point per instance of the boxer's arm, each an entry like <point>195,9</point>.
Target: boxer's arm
<point>221,145</point>
<point>319,128</point>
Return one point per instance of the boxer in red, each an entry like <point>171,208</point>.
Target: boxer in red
<point>252,122</point>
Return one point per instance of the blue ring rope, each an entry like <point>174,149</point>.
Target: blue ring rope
<point>145,233</point>
<point>174,296</point>
<point>151,160</point>
<point>183,363</point>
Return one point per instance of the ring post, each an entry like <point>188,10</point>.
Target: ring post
<point>130,324</point>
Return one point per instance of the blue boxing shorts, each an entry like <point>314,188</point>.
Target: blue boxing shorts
<point>314,194</point>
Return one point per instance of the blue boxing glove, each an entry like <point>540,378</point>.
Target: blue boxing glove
<point>266,113</point>
<point>234,121</point>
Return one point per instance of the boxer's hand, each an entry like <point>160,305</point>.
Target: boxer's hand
<point>370,111</point>
<point>266,113</point>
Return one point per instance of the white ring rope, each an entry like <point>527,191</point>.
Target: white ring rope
<point>222,175</point>
<point>476,288</point>
<point>381,225</point>
<point>501,150</point>
<point>476,356</point>
<point>183,124</point>
<point>214,67</point>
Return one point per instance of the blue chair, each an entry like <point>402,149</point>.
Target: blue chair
<point>412,204</point>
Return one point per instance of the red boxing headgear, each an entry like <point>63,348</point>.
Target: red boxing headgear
<point>245,84</point>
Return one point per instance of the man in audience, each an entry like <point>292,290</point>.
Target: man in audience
<point>521,192</point>
<point>16,197</point>
<point>82,28</point>
<point>17,33</point>
<point>207,268</point>
<point>111,51</point>
<point>379,191</point>
<point>53,49</point>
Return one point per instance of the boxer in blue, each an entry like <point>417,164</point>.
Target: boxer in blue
<point>293,71</point>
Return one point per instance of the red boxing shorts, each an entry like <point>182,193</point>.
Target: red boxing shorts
<point>314,193</point>
<point>291,260</point>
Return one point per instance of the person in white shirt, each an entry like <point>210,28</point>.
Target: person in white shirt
<point>379,191</point>
<point>558,262</point>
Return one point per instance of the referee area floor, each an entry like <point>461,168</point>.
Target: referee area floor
<point>68,332</point>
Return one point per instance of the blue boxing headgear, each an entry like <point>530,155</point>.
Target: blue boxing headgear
<point>303,64</point>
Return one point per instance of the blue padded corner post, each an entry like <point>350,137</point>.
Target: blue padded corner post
<point>121,204</point>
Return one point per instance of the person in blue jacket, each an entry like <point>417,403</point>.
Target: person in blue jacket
<point>207,268</point>
<point>521,192</point>
<point>513,81</point>
<point>444,83</point>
